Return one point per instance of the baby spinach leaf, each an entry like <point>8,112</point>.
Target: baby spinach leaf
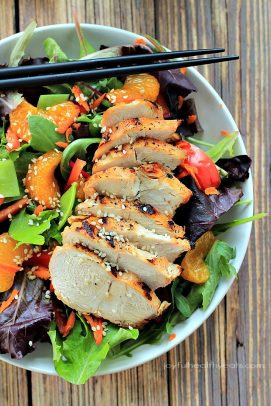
<point>9,185</point>
<point>54,52</point>
<point>78,149</point>
<point>43,134</point>
<point>22,43</point>
<point>28,228</point>
<point>66,204</point>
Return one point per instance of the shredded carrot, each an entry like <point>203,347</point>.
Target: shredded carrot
<point>84,173</point>
<point>2,199</point>
<point>172,337</point>
<point>97,102</point>
<point>9,267</point>
<point>52,289</point>
<point>191,119</point>
<point>139,41</point>
<point>61,144</point>
<point>59,318</point>
<point>96,326</point>
<point>211,191</point>
<point>77,125</point>
<point>12,140</point>
<point>4,305</point>
<point>183,70</point>
<point>12,209</point>
<point>42,273</point>
<point>75,172</point>
<point>67,134</point>
<point>225,133</point>
<point>38,210</point>
<point>69,325</point>
<point>79,97</point>
<point>180,101</point>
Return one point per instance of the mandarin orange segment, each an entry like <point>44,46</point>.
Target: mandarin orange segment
<point>19,120</point>
<point>139,86</point>
<point>40,181</point>
<point>11,256</point>
<point>63,115</point>
<point>194,268</point>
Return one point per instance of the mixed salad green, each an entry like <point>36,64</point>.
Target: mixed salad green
<point>30,230</point>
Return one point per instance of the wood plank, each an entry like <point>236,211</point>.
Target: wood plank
<point>13,386</point>
<point>8,23</point>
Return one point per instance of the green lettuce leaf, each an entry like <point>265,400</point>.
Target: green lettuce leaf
<point>54,52</point>
<point>22,43</point>
<point>222,227</point>
<point>219,149</point>
<point>94,123</point>
<point>43,134</point>
<point>85,47</point>
<point>77,357</point>
<point>28,228</point>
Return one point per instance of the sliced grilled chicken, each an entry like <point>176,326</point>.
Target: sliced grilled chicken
<point>135,109</point>
<point>141,237</point>
<point>143,214</point>
<point>155,272</point>
<point>151,184</point>
<point>144,150</point>
<point>85,283</point>
<point>128,131</point>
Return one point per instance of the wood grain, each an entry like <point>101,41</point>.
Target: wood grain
<point>227,360</point>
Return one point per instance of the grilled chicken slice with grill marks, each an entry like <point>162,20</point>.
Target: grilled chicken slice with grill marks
<point>141,237</point>
<point>151,184</point>
<point>135,109</point>
<point>128,131</point>
<point>143,214</point>
<point>144,150</point>
<point>155,272</point>
<point>85,283</point>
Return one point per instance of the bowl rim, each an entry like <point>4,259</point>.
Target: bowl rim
<point>165,347</point>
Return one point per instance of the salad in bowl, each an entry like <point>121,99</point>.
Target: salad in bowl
<point>111,197</point>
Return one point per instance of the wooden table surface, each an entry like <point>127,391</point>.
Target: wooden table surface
<point>235,340</point>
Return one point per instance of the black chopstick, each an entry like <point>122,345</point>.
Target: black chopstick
<point>21,71</point>
<point>103,73</point>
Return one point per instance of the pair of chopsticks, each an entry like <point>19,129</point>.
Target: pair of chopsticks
<point>66,72</point>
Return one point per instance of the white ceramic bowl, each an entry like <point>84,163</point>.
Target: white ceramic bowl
<point>213,118</point>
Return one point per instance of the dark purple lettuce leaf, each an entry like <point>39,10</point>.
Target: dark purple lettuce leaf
<point>173,84</point>
<point>187,109</point>
<point>202,211</point>
<point>34,61</point>
<point>81,132</point>
<point>237,168</point>
<point>135,49</point>
<point>26,319</point>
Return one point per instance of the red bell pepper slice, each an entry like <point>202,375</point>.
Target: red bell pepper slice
<point>200,166</point>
